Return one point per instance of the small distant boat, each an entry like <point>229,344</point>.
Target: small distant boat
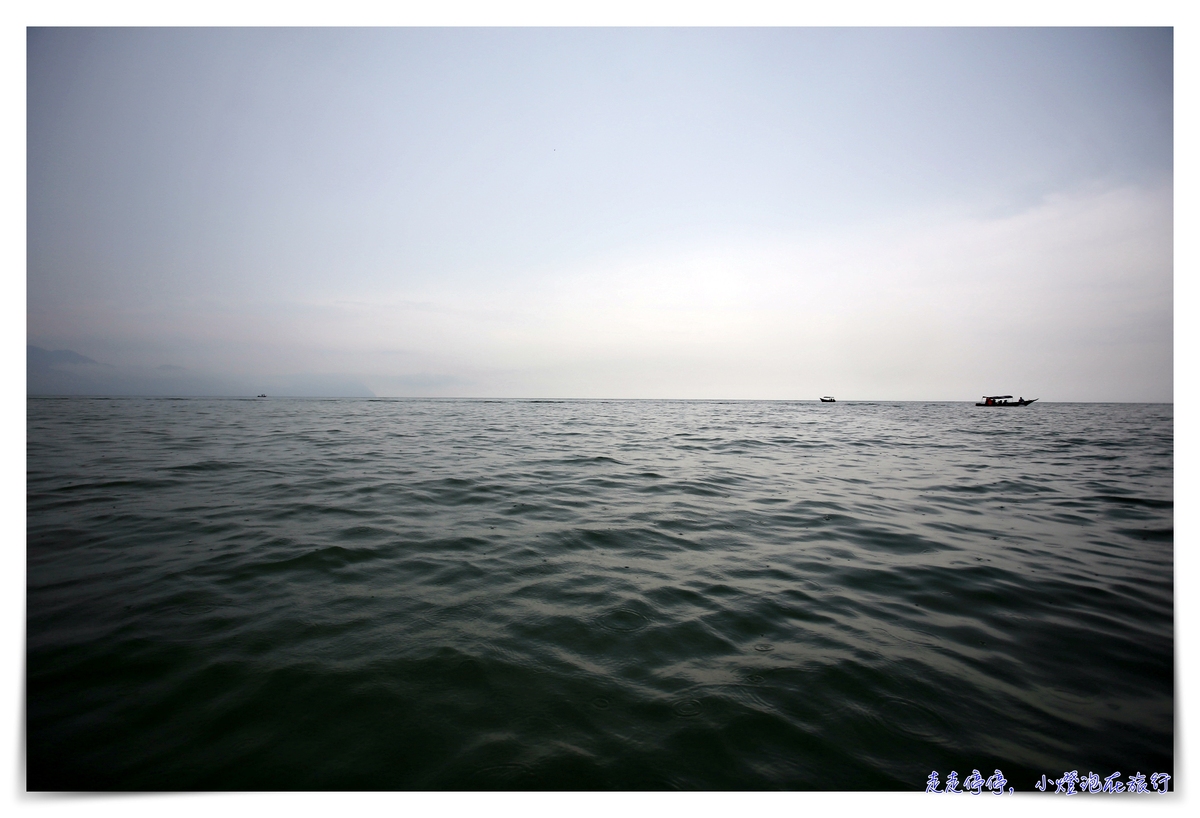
<point>828,399</point>
<point>1004,400</point>
<point>262,396</point>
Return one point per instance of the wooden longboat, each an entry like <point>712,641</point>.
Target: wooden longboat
<point>1004,400</point>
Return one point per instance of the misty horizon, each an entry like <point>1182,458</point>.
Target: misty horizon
<point>774,214</point>
<point>65,373</point>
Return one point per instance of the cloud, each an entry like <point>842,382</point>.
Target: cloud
<point>894,309</point>
<point>927,306</point>
<point>1069,299</point>
<point>742,213</point>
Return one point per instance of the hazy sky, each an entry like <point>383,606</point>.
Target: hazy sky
<point>692,213</point>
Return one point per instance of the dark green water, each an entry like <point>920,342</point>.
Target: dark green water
<point>360,594</point>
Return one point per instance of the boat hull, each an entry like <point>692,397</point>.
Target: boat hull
<point>1009,403</point>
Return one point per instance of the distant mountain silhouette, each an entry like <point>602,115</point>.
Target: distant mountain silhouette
<point>63,372</point>
<point>44,357</point>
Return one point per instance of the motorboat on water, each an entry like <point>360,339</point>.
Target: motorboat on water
<point>827,399</point>
<point>1004,400</point>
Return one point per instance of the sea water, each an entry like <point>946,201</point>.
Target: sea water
<point>452,594</point>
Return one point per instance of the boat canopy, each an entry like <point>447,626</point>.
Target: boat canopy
<point>996,397</point>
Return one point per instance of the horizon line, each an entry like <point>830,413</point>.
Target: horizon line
<point>557,399</point>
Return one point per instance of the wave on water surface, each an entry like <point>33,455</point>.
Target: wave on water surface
<point>365,594</point>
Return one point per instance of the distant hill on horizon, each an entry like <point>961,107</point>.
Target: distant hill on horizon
<point>46,357</point>
<point>66,372</point>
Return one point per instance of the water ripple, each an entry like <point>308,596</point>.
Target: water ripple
<point>377,594</point>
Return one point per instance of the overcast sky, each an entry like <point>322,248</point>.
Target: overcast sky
<point>694,213</point>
